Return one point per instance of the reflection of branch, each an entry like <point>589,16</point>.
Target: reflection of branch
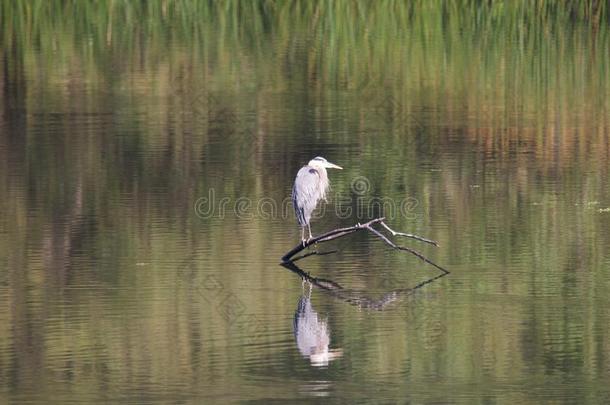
<point>337,233</point>
<point>355,297</point>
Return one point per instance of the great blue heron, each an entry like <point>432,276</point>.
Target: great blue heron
<point>310,186</point>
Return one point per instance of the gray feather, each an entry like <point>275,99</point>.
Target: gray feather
<point>309,188</point>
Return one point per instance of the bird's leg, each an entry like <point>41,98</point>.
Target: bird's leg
<point>311,237</point>
<point>303,239</point>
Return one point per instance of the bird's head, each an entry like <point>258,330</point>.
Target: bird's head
<point>320,162</point>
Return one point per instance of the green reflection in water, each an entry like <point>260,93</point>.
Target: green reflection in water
<point>116,117</point>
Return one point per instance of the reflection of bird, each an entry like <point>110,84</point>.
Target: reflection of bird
<point>312,335</point>
<point>310,186</point>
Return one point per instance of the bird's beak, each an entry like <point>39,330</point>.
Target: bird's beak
<point>332,166</point>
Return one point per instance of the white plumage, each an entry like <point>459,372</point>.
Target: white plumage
<point>310,186</point>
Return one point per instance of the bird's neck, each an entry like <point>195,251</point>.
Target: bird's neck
<point>323,181</point>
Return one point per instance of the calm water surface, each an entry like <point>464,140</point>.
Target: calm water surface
<point>148,150</point>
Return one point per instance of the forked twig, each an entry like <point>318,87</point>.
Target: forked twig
<point>412,251</point>
<point>408,235</point>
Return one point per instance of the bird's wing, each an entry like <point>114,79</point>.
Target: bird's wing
<point>305,193</point>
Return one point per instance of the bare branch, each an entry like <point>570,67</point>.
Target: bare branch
<point>316,253</point>
<point>408,235</point>
<point>337,233</point>
<point>412,251</point>
<point>325,237</point>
